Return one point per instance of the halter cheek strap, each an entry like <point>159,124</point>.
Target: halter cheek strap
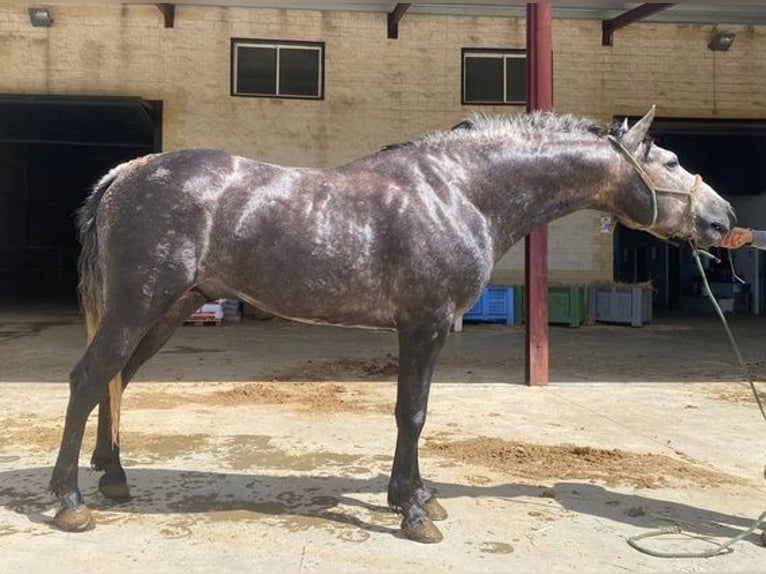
<point>653,189</point>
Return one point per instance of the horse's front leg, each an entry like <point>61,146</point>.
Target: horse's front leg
<point>418,348</point>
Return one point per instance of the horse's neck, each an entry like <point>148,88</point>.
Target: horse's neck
<point>530,187</point>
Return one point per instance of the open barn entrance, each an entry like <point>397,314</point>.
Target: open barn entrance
<point>729,156</point>
<point>52,150</point>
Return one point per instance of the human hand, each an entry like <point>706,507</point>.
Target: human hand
<point>736,238</point>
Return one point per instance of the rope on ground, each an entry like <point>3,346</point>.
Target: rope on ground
<point>718,548</point>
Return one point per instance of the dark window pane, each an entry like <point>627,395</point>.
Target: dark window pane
<point>256,70</point>
<point>515,79</point>
<point>298,72</point>
<point>483,79</point>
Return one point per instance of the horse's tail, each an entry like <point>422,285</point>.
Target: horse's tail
<point>91,284</point>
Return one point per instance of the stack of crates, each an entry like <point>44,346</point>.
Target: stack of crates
<point>211,313</point>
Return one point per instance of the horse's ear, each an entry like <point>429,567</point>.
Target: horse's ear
<point>635,135</point>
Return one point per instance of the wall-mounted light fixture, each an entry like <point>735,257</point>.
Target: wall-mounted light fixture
<point>721,41</point>
<point>40,17</point>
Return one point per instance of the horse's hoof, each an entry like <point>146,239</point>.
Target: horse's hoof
<point>434,510</point>
<point>423,531</point>
<point>114,486</point>
<point>113,483</point>
<point>74,519</point>
<point>118,491</point>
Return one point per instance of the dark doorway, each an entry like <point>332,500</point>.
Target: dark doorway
<point>52,150</point>
<point>728,154</point>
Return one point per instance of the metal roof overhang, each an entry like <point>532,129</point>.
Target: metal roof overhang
<point>751,12</point>
<point>682,12</point>
<point>614,15</point>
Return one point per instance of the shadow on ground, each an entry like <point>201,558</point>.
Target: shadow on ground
<point>313,501</point>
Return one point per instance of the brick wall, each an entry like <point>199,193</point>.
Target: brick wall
<point>377,90</point>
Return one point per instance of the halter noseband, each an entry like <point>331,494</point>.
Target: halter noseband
<point>653,189</point>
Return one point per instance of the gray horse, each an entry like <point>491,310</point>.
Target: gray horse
<point>402,239</point>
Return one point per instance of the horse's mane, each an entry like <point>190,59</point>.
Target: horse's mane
<point>534,125</point>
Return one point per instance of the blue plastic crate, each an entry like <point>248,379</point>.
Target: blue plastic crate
<point>494,306</point>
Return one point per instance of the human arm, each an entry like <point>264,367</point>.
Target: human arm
<point>741,236</point>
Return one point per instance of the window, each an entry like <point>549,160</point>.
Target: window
<point>277,69</point>
<point>494,76</point>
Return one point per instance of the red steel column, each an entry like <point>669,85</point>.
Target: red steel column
<point>539,97</point>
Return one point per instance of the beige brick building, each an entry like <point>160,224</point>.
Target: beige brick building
<point>377,90</point>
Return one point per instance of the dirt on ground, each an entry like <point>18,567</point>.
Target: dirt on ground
<point>513,458</point>
<point>547,463</point>
<point>267,446</point>
<point>375,369</point>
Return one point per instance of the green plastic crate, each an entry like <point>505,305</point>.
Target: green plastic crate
<point>566,305</point>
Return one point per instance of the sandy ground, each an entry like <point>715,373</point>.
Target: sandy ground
<point>267,447</point>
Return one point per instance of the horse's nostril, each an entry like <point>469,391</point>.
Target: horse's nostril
<point>719,227</point>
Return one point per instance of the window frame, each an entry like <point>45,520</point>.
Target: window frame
<point>502,53</point>
<point>276,44</point>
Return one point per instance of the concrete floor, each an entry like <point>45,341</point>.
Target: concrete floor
<point>41,343</point>
<point>229,473</point>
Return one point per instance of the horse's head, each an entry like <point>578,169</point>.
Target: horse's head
<point>663,198</point>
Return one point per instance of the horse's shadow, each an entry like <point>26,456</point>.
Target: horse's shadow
<point>651,513</point>
<point>343,500</point>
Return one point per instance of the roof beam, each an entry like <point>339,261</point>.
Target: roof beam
<point>638,13</point>
<point>393,19</point>
<point>168,12</point>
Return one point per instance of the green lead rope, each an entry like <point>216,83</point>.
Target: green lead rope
<point>737,352</point>
<point>718,548</point>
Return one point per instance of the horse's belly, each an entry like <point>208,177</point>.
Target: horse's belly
<point>320,308</point>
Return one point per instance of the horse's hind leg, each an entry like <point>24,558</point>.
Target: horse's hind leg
<point>106,355</point>
<point>106,456</point>
<point>418,349</point>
